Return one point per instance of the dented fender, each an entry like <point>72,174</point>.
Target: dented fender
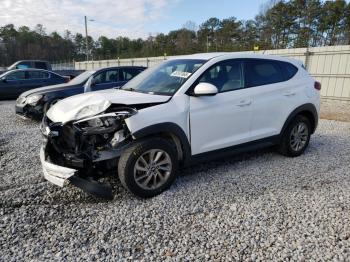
<point>150,116</point>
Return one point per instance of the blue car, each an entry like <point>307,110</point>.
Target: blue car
<point>15,82</point>
<point>36,102</point>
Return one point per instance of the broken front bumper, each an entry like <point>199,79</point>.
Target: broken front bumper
<point>61,176</point>
<point>55,174</point>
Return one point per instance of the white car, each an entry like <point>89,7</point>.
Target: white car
<point>185,109</point>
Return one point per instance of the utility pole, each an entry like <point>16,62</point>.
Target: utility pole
<point>207,43</point>
<point>86,40</point>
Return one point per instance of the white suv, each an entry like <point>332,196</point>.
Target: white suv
<point>183,110</point>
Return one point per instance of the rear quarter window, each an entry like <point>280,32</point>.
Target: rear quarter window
<point>289,70</point>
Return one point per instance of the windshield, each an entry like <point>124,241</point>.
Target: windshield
<point>3,76</point>
<point>166,78</point>
<point>81,78</point>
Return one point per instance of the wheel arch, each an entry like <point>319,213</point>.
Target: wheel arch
<point>307,110</point>
<point>169,131</point>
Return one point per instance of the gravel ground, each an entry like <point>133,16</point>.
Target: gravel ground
<point>259,206</point>
<point>335,110</point>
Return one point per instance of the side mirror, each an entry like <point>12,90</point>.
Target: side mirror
<point>205,89</point>
<point>4,80</point>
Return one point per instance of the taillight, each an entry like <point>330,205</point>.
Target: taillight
<point>317,85</point>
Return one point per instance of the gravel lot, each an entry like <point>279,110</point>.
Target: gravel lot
<point>335,110</point>
<point>260,206</point>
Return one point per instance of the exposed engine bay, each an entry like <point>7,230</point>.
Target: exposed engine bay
<point>81,143</point>
<point>90,145</point>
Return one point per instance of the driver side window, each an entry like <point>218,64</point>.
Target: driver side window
<point>106,77</point>
<point>226,76</point>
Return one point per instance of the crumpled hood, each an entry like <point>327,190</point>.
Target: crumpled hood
<point>67,109</point>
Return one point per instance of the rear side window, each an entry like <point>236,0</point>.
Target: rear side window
<point>37,75</point>
<point>289,70</point>
<point>263,72</point>
<point>40,65</point>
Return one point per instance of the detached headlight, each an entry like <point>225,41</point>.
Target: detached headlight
<point>99,124</point>
<point>33,100</point>
<point>92,110</point>
<point>105,123</point>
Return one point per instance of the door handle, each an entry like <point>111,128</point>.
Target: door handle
<point>290,93</point>
<point>244,103</point>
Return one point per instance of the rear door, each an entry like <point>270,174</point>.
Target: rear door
<point>36,79</point>
<point>273,96</point>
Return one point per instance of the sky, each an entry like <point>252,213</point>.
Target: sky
<point>113,18</point>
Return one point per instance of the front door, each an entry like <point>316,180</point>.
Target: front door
<point>222,120</point>
<point>12,85</point>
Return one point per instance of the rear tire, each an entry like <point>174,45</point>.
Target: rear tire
<point>296,137</point>
<point>148,167</point>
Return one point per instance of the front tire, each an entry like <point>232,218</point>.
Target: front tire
<point>296,137</point>
<point>148,167</point>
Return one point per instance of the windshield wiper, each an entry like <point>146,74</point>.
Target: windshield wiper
<point>129,89</point>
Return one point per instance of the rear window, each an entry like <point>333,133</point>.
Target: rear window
<point>289,70</point>
<point>263,72</point>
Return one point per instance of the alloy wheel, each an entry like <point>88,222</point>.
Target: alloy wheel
<point>152,169</point>
<point>299,136</point>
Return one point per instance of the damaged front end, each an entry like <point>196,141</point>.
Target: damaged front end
<point>84,150</point>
